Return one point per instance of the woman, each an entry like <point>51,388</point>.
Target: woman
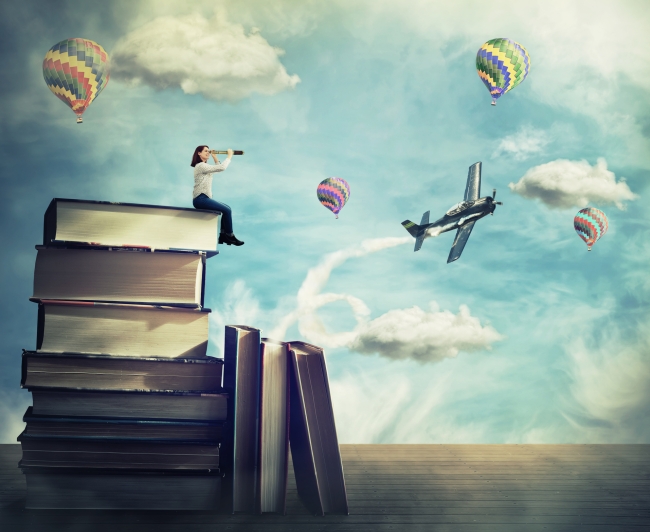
<point>202,197</point>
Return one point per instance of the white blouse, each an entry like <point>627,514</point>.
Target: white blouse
<point>203,177</point>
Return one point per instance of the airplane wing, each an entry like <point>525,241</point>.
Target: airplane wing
<point>459,242</point>
<point>473,187</point>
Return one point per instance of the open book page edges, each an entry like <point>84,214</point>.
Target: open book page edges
<point>130,225</point>
<point>274,427</point>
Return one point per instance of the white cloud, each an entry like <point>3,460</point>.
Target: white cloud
<point>215,58</point>
<point>424,336</point>
<point>398,334</point>
<point>526,142</point>
<point>563,184</point>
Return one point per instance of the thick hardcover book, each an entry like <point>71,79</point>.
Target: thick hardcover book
<point>273,462</point>
<point>85,489</point>
<point>121,329</point>
<point>120,276</point>
<point>96,372</point>
<point>129,225</point>
<point>314,445</point>
<point>115,454</point>
<point>71,427</point>
<point>132,405</point>
<point>241,380</point>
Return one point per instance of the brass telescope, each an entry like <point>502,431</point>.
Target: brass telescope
<point>235,152</point>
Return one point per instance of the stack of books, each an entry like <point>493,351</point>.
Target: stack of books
<point>279,401</point>
<point>128,410</point>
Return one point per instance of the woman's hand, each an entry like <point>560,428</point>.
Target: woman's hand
<point>230,152</point>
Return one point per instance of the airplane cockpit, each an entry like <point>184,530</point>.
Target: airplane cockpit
<point>459,207</point>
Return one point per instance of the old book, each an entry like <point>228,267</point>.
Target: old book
<point>96,372</point>
<point>112,454</point>
<point>273,459</point>
<point>71,427</point>
<point>129,225</point>
<point>314,444</point>
<point>121,329</point>
<point>88,489</point>
<point>131,404</point>
<point>121,276</point>
<point>241,382</point>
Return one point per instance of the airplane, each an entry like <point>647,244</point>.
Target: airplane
<point>461,216</point>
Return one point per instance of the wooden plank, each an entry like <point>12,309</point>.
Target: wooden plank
<point>460,488</point>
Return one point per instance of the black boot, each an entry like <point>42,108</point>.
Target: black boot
<point>229,238</point>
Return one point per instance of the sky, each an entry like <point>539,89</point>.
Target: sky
<point>527,338</point>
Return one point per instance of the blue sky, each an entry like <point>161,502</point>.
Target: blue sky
<point>528,338</point>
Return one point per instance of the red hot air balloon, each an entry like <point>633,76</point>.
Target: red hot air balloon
<point>591,225</point>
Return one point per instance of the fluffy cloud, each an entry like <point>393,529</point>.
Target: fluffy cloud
<point>563,184</point>
<point>214,58</point>
<point>398,334</point>
<point>523,144</point>
<point>424,336</point>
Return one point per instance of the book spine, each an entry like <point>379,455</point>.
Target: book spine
<point>49,223</point>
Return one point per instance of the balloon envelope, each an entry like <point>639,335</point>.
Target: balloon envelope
<point>502,64</point>
<point>590,224</point>
<point>333,193</point>
<point>76,71</point>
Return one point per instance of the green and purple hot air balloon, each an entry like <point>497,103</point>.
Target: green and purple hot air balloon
<point>502,64</point>
<point>333,193</point>
<point>590,224</point>
<point>76,71</point>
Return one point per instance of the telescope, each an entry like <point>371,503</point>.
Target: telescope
<point>235,152</point>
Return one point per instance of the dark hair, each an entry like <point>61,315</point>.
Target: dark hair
<point>195,158</point>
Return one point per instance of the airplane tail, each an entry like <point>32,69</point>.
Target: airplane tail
<point>417,231</point>
<point>411,227</point>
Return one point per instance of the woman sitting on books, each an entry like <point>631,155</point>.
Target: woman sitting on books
<point>203,191</point>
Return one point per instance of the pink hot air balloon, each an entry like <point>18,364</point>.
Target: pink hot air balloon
<point>333,193</point>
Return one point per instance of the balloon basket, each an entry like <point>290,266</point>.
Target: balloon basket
<point>494,102</point>
<point>80,120</point>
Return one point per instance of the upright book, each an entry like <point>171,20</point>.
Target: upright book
<point>273,460</point>
<point>120,276</point>
<point>241,380</point>
<point>314,444</point>
<point>70,221</point>
<point>121,329</point>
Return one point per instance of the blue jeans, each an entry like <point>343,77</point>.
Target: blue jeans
<point>208,204</point>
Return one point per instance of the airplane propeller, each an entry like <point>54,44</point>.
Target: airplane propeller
<point>494,195</point>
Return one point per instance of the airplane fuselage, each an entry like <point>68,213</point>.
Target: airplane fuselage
<point>465,212</point>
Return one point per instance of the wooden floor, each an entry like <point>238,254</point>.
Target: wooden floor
<point>500,488</point>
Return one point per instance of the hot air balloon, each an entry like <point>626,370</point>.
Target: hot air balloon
<point>76,71</point>
<point>590,224</point>
<point>333,193</point>
<point>502,64</point>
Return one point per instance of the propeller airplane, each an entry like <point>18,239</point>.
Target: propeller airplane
<point>461,216</point>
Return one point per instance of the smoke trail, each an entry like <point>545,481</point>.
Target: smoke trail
<point>309,298</point>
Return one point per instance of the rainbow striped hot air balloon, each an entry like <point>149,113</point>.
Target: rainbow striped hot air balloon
<point>333,193</point>
<point>590,224</point>
<point>76,71</point>
<point>502,64</point>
